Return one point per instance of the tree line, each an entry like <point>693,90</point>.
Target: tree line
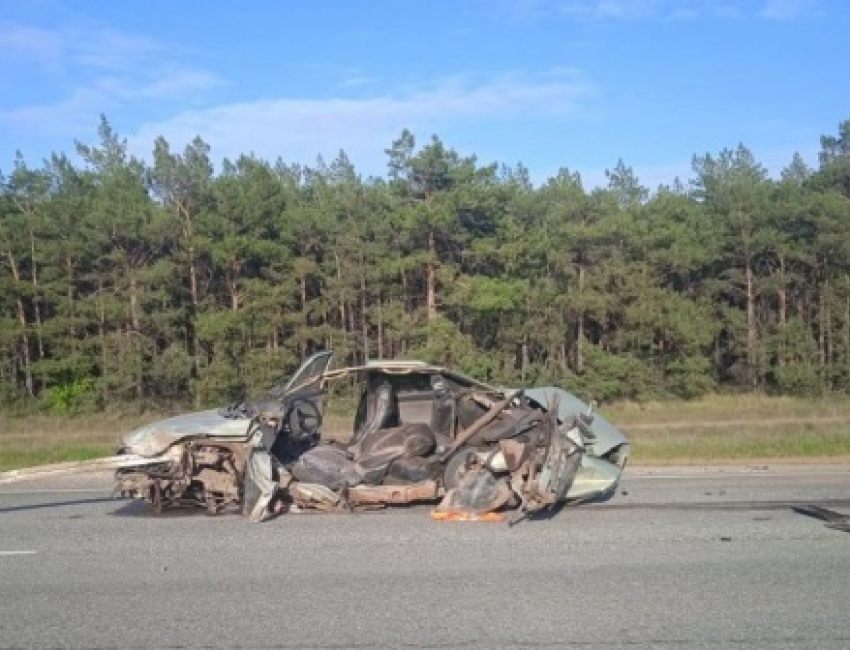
<point>150,283</point>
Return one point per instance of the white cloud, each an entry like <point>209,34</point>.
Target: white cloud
<point>728,11</point>
<point>298,130</point>
<point>609,9</point>
<point>23,42</point>
<point>172,82</point>
<point>111,50</point>
<point>360,80</point>
<point>671,10</point>
<point>787,9</point>
<point>75,47</point>
<point>74,113</point>
<point>91,71</point>
<point>78,110</point>
<point>684,15</point>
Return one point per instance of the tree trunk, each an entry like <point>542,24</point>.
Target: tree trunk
<point>403,291</point>
<point>431,278</point>
<point>364,325</point>
<point>524,360</point>
<point>783,310</point>
<point>580,323</point>
<point>193,283</point>
<point>69,293</point>
<point>191,329</point>
<point>134,303</point>
<point>302,345</point>
<point>783,292</point>
<point>847,336</point>
<point>380,327</point>
<point>22,319</point>
<point>752,361</point>
<point>821,325</point>
<point>828,346</point>
<point>101,335</point>
<point>35,298</point>
<point>134,333</point>
<point>404,307</point>
<point>341,293</point>
<point>232,288</point>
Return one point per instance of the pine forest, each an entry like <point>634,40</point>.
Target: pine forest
<point>180,280</point>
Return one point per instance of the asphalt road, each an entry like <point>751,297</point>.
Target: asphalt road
<point>679,559</point>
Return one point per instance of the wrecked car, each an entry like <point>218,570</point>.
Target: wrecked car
<point>421,433</point>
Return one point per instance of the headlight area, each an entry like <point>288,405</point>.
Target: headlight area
<point>141,477</point>
<point>192,473</point>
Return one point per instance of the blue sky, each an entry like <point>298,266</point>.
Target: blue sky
<point>550,84</point>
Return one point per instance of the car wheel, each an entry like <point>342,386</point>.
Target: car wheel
<point>156,497</point>
<point>456,466</point>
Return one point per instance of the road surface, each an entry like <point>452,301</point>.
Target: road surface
<point>680,558</point>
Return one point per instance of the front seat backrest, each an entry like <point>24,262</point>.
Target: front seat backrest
<point>381,411</point>
<point>442,408</point>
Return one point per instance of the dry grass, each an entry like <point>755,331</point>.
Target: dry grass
<point>716,429</point>
<point>729,428</point>
<point>786,442</point>
<point>725,408</point>
<point>37,440</point>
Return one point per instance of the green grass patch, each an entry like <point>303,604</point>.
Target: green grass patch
<point>717,429</point>
<point>43,439</point>
<point>740,443</point>
<point>16,457</point>
<point>723,408</point>
<point>735,428</point>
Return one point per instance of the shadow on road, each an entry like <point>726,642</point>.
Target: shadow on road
<point>126,507</point>
<point>55,504</point>
<point>138,508</point>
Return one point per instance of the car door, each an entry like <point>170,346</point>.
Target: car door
<point>302,406</point>
<point>304,394</point>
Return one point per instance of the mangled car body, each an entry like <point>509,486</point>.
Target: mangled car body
<point>421,433</point>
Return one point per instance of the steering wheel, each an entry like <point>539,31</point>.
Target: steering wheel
<point>303,419</point>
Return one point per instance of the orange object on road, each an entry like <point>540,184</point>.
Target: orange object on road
<point>465,515</point>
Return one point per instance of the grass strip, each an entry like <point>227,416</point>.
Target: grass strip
<point>718,429</point>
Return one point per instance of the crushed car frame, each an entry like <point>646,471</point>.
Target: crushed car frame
<point>421,433</point>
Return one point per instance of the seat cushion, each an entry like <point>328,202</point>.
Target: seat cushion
<point>326,465</point>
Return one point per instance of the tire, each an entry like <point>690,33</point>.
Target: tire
<point>456,463</point>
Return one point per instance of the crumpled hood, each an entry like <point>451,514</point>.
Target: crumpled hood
<point>607,435</point>
<point>154,438</point>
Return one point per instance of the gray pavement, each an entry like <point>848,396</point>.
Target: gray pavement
<point>680,558</point>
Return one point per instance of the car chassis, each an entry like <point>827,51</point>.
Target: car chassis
<point>422,433</point>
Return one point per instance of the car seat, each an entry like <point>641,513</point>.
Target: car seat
<point>381,446</point>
